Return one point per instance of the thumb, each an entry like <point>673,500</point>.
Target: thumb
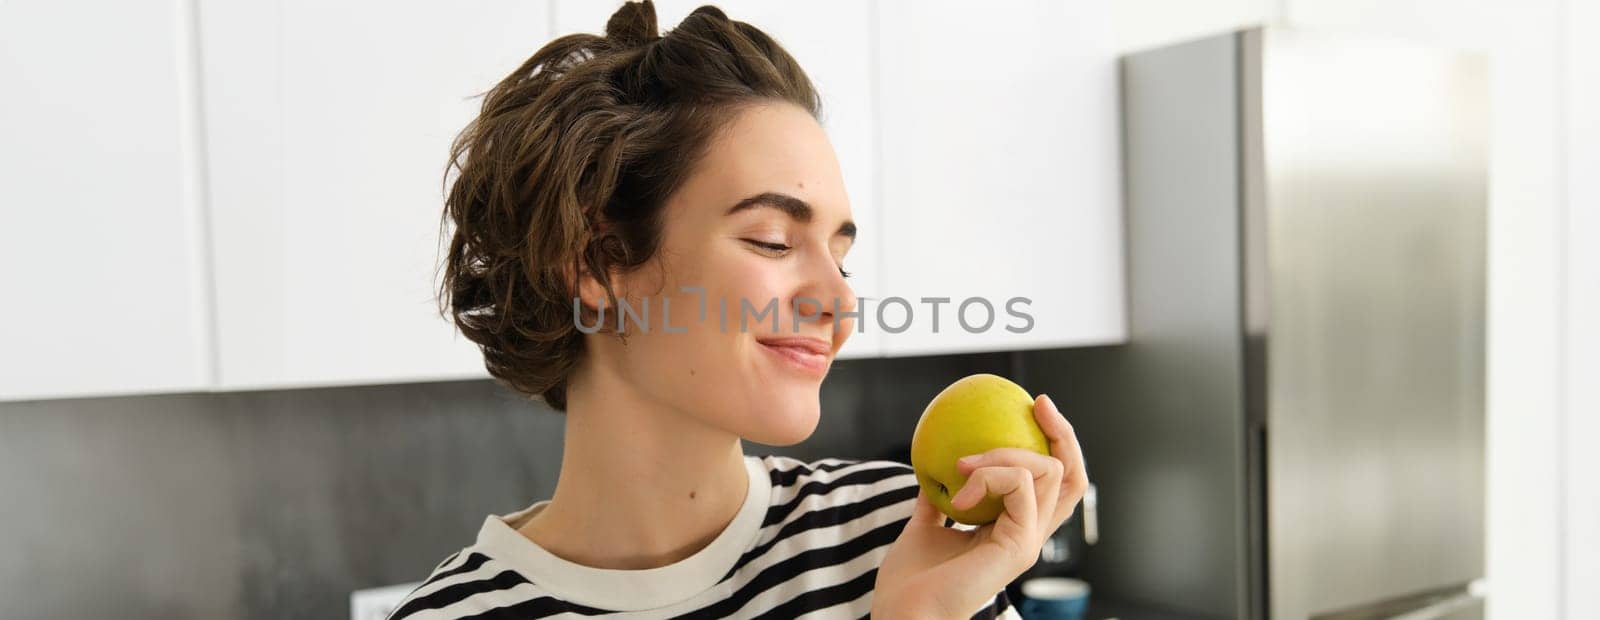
<point>924,511</point>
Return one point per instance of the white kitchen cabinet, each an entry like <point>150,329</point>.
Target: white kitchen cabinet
<point>329,127</point>
<point>832,41</point>
<point>261,207</point>
<point>102,258</point>
<point>999,174</point>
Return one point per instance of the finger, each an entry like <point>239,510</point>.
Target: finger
<point>1013,484</point>
<point>1064,446</point>
<point>1047,473</point>
<point>924,511</point>
<point>1040,465</point>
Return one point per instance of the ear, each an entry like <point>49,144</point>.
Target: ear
<point>589,288</point>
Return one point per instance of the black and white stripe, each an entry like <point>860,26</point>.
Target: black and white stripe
<point>826,528</point>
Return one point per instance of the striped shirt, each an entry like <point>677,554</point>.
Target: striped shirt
<point>807,541</point>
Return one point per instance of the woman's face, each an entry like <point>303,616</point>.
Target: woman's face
<point>762,222</point>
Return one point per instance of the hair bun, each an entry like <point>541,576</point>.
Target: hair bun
<point>711,10</point>
<point>632,25</point>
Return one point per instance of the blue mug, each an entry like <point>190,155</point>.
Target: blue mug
<point>1054,598</point>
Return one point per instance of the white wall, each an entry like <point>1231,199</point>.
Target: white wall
<point>1525,330</point>
<point>1581,78</point>
<point>1141,24</point>
<point>1543,548</point>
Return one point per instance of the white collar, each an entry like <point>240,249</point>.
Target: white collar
<point>629,590</point>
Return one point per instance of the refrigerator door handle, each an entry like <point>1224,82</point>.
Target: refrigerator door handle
<point>1091,518</point>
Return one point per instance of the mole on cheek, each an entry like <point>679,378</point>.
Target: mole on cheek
<point>691,495</point>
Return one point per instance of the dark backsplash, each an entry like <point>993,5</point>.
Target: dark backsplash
<point>277,504</point>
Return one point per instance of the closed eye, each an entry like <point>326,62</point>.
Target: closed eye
<point>766,245</point>
<point>779,249</point>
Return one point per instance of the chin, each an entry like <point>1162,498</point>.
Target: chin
<point>786,427</point>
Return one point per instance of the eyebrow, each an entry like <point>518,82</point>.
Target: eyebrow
<point>798,209</point>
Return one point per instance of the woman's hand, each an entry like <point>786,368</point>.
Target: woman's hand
<point>932,571</point>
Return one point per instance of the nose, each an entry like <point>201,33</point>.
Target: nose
<point>835,300</point>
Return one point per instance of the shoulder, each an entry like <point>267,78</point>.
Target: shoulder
<point>863,485</point>
<point>866,485</point>
<point>786,471</point>
<point>451,583</point>
<point>852,507</point>
<point>470,583</point>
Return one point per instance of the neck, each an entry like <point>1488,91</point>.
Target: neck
<point>641,485</point>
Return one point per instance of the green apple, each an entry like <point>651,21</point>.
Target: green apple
<point>973,415</point>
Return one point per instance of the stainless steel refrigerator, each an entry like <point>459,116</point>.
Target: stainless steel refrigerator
<point>1295,428</point>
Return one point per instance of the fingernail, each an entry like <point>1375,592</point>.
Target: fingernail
<point>1052,403</point>
<point>968,460</point>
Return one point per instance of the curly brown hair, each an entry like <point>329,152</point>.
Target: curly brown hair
<point>568,166</point>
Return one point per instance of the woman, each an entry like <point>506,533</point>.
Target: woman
<point>686,177</point>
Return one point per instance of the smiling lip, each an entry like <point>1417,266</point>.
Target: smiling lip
<point>808,354</point>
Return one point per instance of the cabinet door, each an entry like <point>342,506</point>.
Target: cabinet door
<point>832,41</point>
<point>101,240</point>
<point>329,131</point>
<point>1000,174</point>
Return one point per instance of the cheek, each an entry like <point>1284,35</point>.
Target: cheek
<point>751,279</point>
<point>713,345</point>
<point>718,371</point>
